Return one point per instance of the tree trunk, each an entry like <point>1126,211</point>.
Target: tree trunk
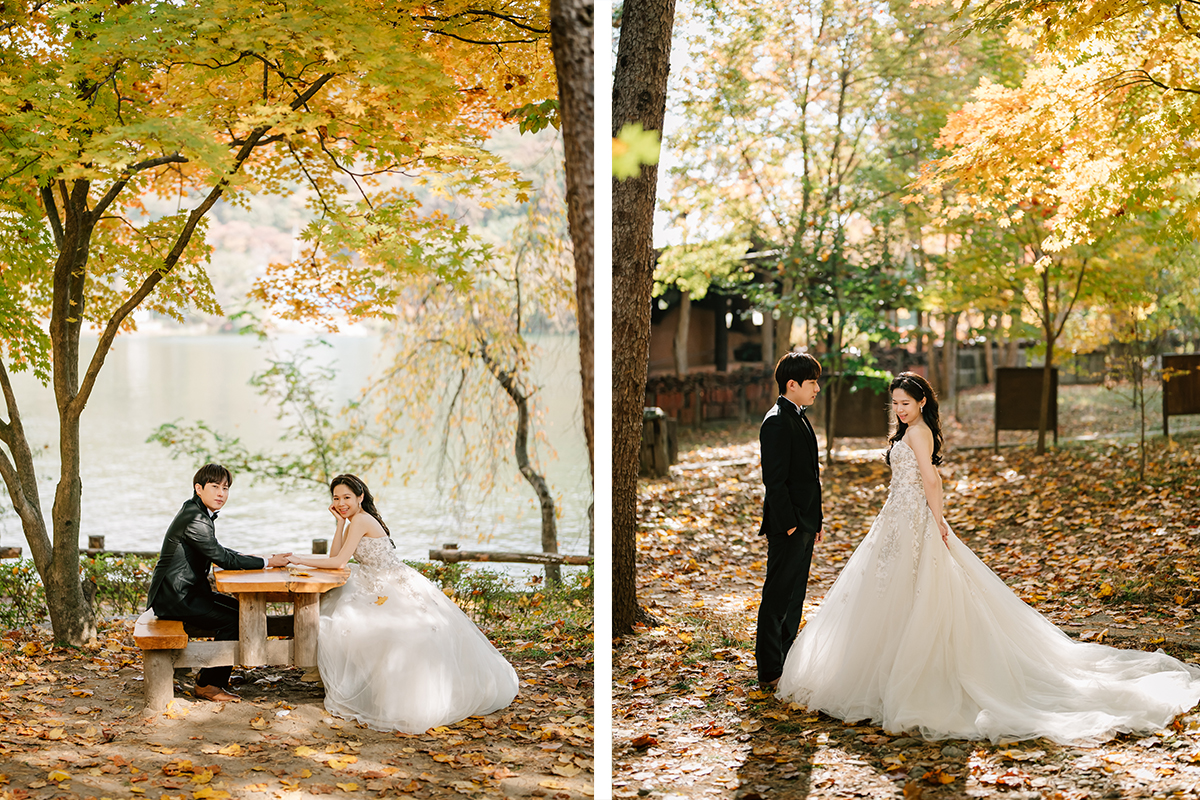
<point>520,398</point>
<point>783,325</point>
<point>950,360</point>
<point>721,333</point>
<point>768,339</point>
<point>931,360</point>
<point>1047,371</point>
<point>681,334</point>
<point>639,95</point>
<point>571,29</point>
<point>989,356</point>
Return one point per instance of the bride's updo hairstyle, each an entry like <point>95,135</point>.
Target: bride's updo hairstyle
<point>918,389</point>
<point>356,485</point>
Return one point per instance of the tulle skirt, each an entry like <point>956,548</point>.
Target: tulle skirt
<point>922,637</point>
<point>397,654</point>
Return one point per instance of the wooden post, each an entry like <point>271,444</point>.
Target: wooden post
<point>320,547</point>
<point>252,630</point>
<point>10,552</point>
<point>307,618</point>
<point>95,543</point>
<point>158,675</point>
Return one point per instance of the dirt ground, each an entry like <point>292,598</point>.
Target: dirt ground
<point>72,726</point>
<point>1107,557</point>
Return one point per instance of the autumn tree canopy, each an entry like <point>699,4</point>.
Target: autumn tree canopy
<point>349,101</point>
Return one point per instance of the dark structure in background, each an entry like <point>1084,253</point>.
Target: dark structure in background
<point>1181,387</point>
<point>1014,410</point>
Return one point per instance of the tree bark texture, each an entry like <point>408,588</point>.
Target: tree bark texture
<point>639,95</point>
<point>571,28</point>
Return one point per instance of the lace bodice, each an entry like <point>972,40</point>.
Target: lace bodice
<point>906,501</point>
<point>380,568</point>
<point>377,553</point>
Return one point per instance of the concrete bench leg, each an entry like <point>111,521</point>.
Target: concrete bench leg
<point>158,677</point>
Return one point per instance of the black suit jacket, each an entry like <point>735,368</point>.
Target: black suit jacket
<point>179,586</point>
<point>790,471</point>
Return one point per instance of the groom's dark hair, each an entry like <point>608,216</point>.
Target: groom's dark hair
<point>798,367</point>
<point>213,473</point>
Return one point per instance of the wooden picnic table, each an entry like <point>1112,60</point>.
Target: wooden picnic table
<point>254,588</point>
<point>166,645</point>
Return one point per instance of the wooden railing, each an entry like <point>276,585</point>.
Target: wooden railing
<point>452,555</point>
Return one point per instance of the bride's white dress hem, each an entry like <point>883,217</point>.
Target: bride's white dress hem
<point>396,654</point>
<point>919,636</point>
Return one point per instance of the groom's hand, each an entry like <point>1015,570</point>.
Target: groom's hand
<point>278,560</point>
<point>791,531</point>
<point>820,535</point>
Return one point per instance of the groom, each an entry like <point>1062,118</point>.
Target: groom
<point>179,588</point>
<point>791,511</point>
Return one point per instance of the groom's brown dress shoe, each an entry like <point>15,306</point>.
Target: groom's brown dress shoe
<point>764,685</point>
<point>216,694</point>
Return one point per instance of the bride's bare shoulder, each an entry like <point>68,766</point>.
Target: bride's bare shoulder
<point>920,439</point>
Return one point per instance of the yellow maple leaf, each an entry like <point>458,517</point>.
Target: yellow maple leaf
<point>175,711</point>
<point>304,751</point>
<point>305,773</point>
<point>209,793</point>
<point>380,600</point>
<point>341,763</point>
<point>204,776</point>
<point>59,775</point>
<point>234,749</point>
<point>258,723</point>
<point>348,787</point>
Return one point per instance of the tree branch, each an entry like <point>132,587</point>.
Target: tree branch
<point>476,41</point>
<point>121,182</point>
<point>114,323</point>
<point>52,215</point>
<point>19,490</point>
<point>483,13</point>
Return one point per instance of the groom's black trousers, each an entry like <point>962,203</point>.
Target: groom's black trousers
<point>779,614</point>
<point>219,615</point>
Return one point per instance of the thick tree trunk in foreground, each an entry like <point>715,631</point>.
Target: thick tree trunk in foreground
<point>571,28</point>
<point>639,95</point>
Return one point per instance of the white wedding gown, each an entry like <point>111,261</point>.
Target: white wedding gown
<point>398,655</point>
<point>917,636</point>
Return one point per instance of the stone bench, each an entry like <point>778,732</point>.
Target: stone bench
<point>167,644</point>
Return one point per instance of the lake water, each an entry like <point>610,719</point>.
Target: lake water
<point>132,489</point>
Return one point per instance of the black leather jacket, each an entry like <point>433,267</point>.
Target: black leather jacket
<point>179,587</point>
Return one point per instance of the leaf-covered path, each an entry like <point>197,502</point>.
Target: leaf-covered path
<point>71,726</point>
<point>1074,533</point>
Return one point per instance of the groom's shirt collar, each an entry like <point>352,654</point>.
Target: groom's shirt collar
<point>785,397</point>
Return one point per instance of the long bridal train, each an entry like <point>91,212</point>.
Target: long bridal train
<point>918,635</point>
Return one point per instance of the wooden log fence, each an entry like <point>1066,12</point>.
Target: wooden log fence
<point>450,554</point>
<point>96,547</point>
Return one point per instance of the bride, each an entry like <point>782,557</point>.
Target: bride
<point>394,652</point>
<point>917,634</point>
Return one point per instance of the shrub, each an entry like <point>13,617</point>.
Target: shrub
<point>22,596</point>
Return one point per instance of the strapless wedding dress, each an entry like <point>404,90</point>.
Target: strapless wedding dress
<point>398,655</point>
<point>918,636</point>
